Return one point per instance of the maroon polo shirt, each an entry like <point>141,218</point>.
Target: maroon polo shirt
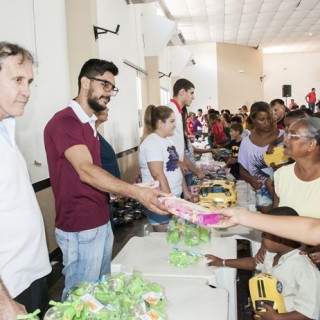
<point>78,206</point>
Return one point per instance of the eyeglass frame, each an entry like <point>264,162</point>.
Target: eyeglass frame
<point>295,136</point>
<point>106,83</point>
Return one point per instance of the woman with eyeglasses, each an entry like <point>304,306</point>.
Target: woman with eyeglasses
<point>298,185</point>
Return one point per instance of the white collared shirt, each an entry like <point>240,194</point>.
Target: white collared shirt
<point>7,130</point>
<point>83,117</point>
<point>21,220</point>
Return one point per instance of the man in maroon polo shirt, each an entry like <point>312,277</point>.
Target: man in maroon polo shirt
<point>79,184</point>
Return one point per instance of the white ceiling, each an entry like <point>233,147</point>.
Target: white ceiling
<point>271,25</point>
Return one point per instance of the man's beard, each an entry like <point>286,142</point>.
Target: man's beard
<point>95,106</point>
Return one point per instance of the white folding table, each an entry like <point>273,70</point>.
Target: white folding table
<point>192,298</point>
<point>150,256</point>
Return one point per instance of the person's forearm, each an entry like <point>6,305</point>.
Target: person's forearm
<point>276,200</point>
<point>200,151</point>
<point>303,229</point>
<point>106,182</point>
<point>184,186</point>
<point>164,185</point>
<point>191,167</point>
<point>293,315</point>
<point>4,295</point>
<point>244,174</point>
<point>247,263</point>
<point>9,309</point>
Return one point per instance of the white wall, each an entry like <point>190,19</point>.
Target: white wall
<point>121,130</point>
<point>300,70</point>
<point>203,75</point>
<point>39,25</point>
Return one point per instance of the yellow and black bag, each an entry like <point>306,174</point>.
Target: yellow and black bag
<point>276,158</point>
<point>264,288</point>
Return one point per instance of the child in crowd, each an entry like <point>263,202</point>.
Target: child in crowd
<point>238,119</point>
<point>217,137</point>
<point>236,138</point>
<point>189,127</point>
<point>299,277</point>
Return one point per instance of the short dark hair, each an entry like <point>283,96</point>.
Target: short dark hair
<point>275,101</point>
<point>289,212</point>
<point>236,119</point>
<point>308,112</point>
<point>237,127</point>
<point>10,49</point>
<point>244,107</point>
<point>182,84</point>
<point>94,67</point>
<point>283,211</point>
<point>213,116</point>
<point>226,117</point>
<point>200,110</point>
<point>316,114</point>
<point>296,114</point>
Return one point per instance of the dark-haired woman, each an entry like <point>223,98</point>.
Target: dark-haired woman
<point>253,168</point>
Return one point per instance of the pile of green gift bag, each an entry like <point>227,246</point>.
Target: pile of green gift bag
<point>116,297</point>
<point>180,230</point>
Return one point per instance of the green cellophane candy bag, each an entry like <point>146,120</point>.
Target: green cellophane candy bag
<point>30,316</point>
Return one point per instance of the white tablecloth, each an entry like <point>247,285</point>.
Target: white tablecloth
<point>150,256</point>
<point>245,195</point>
<point>192,298</point>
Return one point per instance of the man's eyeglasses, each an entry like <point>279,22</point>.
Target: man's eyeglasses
<point>294,136</point>
<point>107,86</point>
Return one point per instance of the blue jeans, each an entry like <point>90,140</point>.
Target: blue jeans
<point>312,106</point>
<point>188,177</point>
<point>156,219</point>
<point>263,197</point>
<point>86,255</point>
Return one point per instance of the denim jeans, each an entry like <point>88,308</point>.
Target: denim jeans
<point>86,255</point>
<point>156,219</point>
<point>312,106</point>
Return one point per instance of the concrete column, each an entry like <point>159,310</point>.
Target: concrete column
<point>152,66</point>
<point>81,15</point>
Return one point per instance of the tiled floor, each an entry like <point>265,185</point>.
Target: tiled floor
<point>138,228</point>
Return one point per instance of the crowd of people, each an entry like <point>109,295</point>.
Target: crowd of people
<point>289,189</point>
<point>83,172</point>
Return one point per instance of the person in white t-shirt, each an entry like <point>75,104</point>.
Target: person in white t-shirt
<point>24,259</point>
<point>159,159</point>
